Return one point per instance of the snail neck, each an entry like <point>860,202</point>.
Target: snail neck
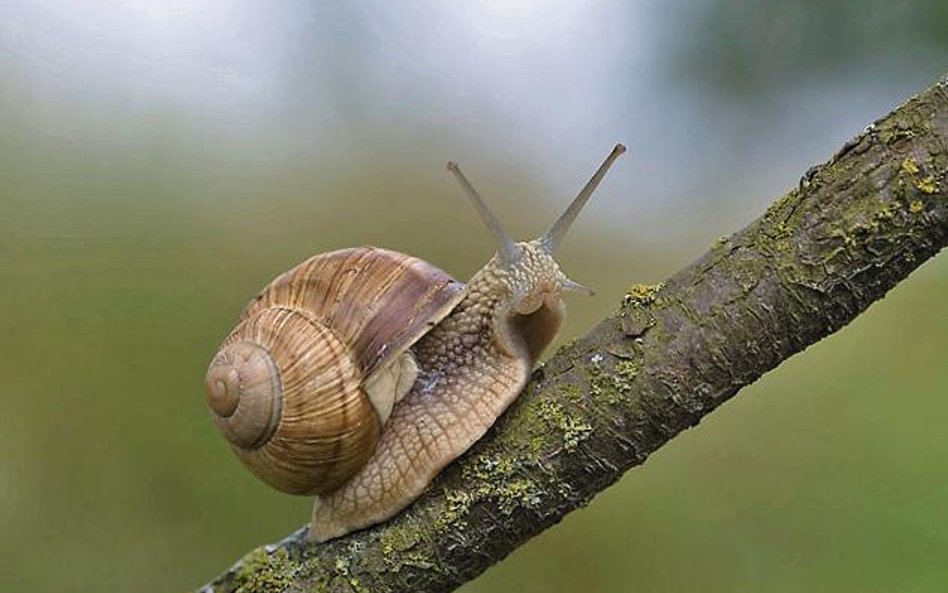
<point>516,304</point>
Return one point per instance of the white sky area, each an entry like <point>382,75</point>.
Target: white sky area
<point>552,84</point>
<point>549,68</point>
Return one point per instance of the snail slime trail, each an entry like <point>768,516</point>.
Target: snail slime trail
<point>361,373</point>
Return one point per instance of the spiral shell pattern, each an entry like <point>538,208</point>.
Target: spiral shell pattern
<point>286,387</point>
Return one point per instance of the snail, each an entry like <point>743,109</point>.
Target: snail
<point>358,375</point>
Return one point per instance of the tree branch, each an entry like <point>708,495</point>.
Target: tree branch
<point>819,256</point>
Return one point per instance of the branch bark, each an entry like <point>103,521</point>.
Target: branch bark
<point>819,256</point>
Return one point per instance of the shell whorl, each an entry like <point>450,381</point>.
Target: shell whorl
<point>244,393</point>
<point>301,422</point>
<point>287,387</point>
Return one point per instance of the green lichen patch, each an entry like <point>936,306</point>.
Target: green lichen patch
<point>894,130</point>
<point>636,316</point>
<point>781,230</point>
<point>261,571</point>
<point>785,204</point>
<point>509,495</point>
<point>602,387</point>
<point>458,504</point>
<point>552,413</point>
<point>778,214</point>
<point>400,547</point>
<point>884,214</point>
<point>524,493</point>
<point>857,230</point>
<point>910,166</point>
<point>541,423</point>
<point>341,566</point>
<point>507,491</point>
<point>774,238</point>
<point>573,430</point>
<point>642,295</point>
<point>916,206</point>
<point>927,184</point>
<point>913,172</point>
<point>625,373</point>
<point>496,466</point>
<point>569,393</point>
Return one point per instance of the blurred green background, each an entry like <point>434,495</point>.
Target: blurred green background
<point>162,161</point>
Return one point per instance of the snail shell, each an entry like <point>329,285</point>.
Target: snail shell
<point>292,386</point>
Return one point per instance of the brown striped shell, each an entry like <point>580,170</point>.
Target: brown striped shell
<point>288,387</point>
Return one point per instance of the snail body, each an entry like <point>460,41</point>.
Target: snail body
<point>361,373</point>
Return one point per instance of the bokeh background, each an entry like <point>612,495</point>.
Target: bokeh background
<point>160,161</point>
